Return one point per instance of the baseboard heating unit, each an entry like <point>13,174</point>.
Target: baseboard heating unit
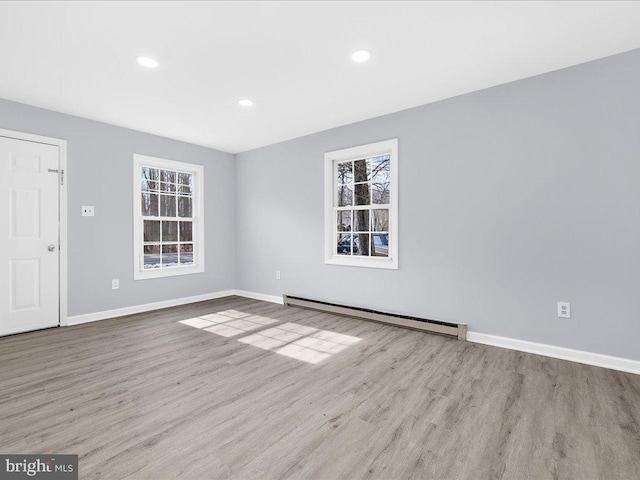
<point>454,330</point>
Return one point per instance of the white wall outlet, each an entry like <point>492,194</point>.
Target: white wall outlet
<point>277,274</point>
<point>564,310</point>
<point>115,284</point>
<point>87,211</point>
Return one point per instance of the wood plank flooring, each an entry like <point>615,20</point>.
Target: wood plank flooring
<point>146,397</point>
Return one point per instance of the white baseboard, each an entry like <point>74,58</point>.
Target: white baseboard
<point>260,296</point>
<point>121,312</point>
<point>579,356</point>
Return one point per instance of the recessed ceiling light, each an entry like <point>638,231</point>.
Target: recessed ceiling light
<point>246,102</point>
<point>361,56</point>
<point>147,62</point>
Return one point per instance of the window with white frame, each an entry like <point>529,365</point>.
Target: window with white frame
<point>168,217</point>
<point>361,206</point>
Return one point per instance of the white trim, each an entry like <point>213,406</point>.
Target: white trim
<point>121,312</point>
<point>198,217</point>
<point>62,212</point>
<point>260,296</point>
<point>387,147</point>
<point>353,261</point>
<point>579,356</point>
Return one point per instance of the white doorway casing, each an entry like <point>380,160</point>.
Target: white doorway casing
<point>34,272</point>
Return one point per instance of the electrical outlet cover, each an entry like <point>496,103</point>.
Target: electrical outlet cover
<point>564,310</point>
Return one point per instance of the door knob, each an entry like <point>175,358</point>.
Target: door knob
<point>51,248</point>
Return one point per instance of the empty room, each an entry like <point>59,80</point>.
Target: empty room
<point>320,240</point>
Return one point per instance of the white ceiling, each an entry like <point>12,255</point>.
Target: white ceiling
<point>291,58</point>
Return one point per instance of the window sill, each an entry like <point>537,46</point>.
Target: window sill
<point>168,272</point>
<point>384,263</point>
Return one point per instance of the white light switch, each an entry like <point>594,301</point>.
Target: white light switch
<point>115,284</point>
<point>87,211</point>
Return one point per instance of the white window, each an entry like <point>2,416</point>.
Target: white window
<point>361,206</point>
<point>168,217</point>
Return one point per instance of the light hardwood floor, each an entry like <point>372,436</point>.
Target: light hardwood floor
<point>148,397</point>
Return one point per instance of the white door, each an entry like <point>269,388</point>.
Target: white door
<point>29,236</point>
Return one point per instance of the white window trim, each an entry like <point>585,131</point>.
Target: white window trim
<point>387,147</point>
<point>139,273</point>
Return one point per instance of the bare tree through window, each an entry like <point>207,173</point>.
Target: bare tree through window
<point>167,211</point>
<point>362,206</point>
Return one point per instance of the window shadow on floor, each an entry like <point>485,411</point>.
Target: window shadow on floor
<point>304,343</point>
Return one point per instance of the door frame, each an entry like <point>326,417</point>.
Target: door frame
<point>62,211</point>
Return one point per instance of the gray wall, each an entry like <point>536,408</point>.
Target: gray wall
<point>100,160</point>
<point>511,199</point>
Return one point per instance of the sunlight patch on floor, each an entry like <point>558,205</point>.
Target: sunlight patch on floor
<point>292,340</point>
<point>229,323</point>
<point>300,342</point>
